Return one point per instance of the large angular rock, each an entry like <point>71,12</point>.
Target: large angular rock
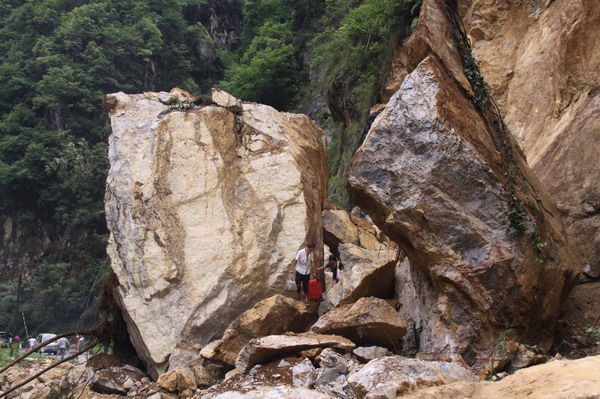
<point>561,379</point>
<point>390,377</point>
<point>274,315</point>
<point>206,209</point>
<point>266,349</point>
<point>454,192</point>
<point>545,83</point>
<point>369,321</point>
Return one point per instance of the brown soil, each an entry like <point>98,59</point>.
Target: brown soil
<point>104,361</point>
<point>580,312</point>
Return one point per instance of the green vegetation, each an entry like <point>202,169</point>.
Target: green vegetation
<point>352,56</point>
<point>481,90</point>
<point>55,299</point>
<point>517,216</point>
<point>58,59</point>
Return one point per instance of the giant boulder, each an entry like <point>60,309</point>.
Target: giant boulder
<point>541,60</point>
<point>206,207</point>
<point>449,185</point>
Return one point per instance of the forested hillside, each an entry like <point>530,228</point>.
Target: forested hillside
<point>327,58</point>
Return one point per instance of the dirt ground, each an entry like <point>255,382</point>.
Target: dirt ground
<point>581,312</point>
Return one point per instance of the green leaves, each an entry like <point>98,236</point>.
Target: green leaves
<point>268,71</point>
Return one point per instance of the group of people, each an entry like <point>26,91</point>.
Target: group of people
<point>62,343</point>
<point>304,265</point>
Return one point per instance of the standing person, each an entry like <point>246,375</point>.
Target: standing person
<point>304,264</point>
<point>63,344</point>
<point>31,343</point>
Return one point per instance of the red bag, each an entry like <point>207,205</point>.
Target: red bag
<point>314,290</point>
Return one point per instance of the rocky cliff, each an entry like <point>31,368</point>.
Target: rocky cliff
<point>440,175</point>
<point>207,205</point>
<point>542,61</point>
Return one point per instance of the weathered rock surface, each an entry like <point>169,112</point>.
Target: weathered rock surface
<point>561,379</point>
<point>331,376</point>
<point>367,353</point>
<point>342,227</point>
<point>394,376</point>
<point>274,315</point>
<point>303,374</point>
<point>206,209</point>
<point>108,375</point>
<point>369,321</point>
<point>541,59</point>
<point>266,349</point>
<point>179,379</point>
<point>434,177</point>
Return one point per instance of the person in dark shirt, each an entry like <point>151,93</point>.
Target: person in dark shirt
<point>334,266</point>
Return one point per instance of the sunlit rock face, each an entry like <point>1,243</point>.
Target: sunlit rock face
<point>541,59</point>
<point>206,206</point>
<point>431,175</point>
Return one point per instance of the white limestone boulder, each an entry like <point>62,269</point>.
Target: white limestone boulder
<point>206,209</point>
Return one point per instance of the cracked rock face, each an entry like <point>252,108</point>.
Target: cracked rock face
<point>206,208</point>
<point>431,177</point>
<point>541,60</point>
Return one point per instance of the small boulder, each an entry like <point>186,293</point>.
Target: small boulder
<point>168,381</point>
<point>266,349</point>
<point>393,376</point>
<point>226,100</point>
<point>109,375</point>
<point>370,321</point>
<point>178,380</point>
<point>303,374</point>
<point>367,353</point>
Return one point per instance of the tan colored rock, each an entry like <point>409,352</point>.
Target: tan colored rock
<point>395,376</point>
<point>168,380</point>
<point>186,379</point>
<point>337,223</point>
<point>206,209</point>
<point>369,321</point>
<point>266,349</point>
<point>436,178</point>
<point>224,99</point>
<point>541,59</point>
<point>274,315</point>
<point>561,379</point>
<point>342,227</point>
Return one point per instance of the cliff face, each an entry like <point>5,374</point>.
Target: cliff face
<point>441,178</point>
<point>206,207</point>
<point>542,61</point>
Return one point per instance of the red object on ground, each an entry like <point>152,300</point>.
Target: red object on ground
<point>314,290</point>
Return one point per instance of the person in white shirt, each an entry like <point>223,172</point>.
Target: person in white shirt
<point>31,343</point>
<point>304,263</point>
<point>63,344</point>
